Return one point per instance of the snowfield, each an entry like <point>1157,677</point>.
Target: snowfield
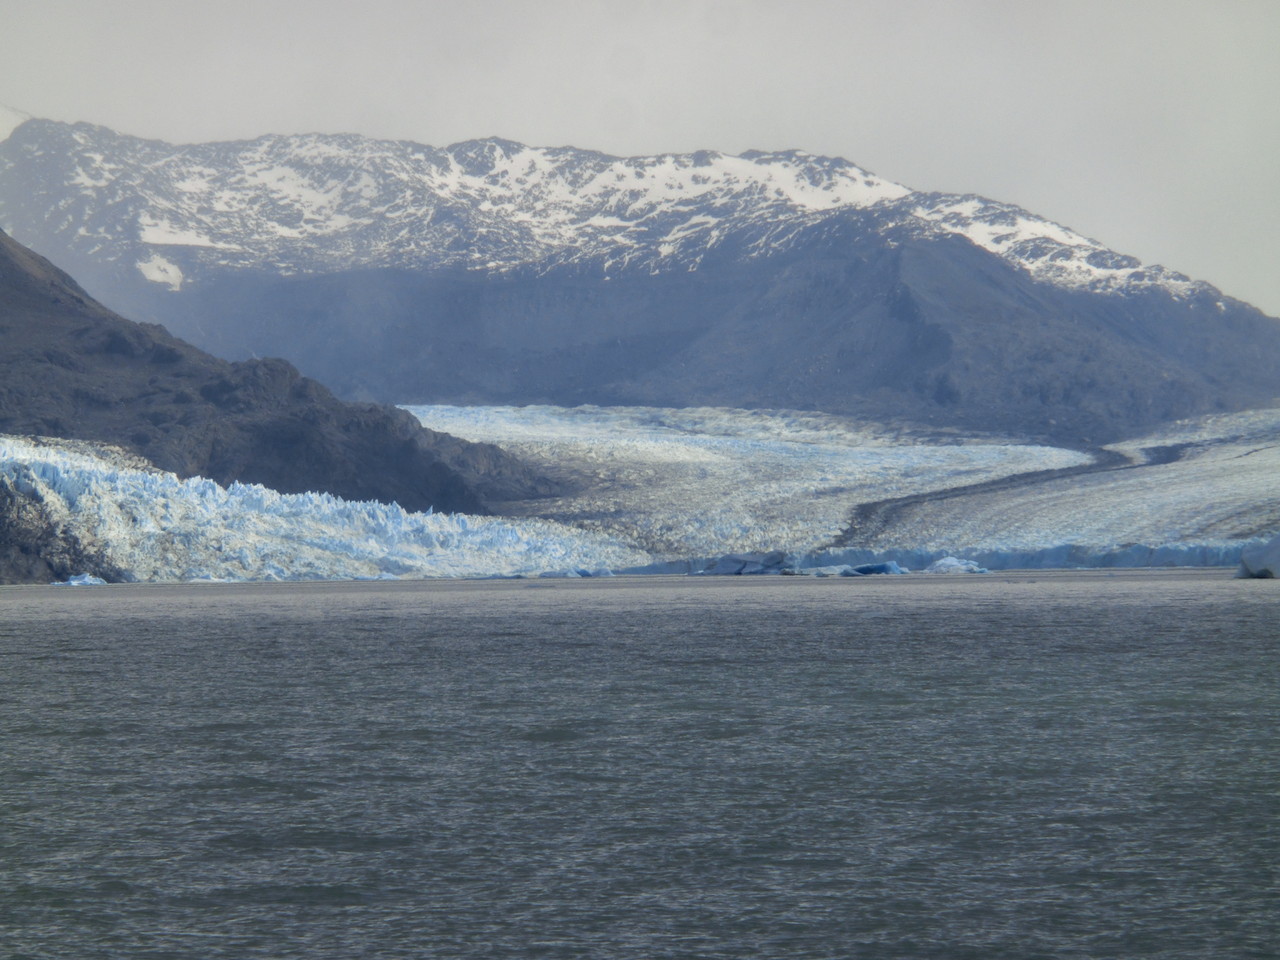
<point>664,490</point>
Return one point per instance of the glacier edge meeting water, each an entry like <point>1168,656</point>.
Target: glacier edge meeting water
<point>689,486</point>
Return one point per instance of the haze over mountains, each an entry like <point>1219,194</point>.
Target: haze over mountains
<point>493,272</point>
<point>71,368</point>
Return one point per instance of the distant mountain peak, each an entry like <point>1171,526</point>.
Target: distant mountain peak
<point>10,119</point>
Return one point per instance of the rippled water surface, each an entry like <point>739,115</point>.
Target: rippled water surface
<point>1070,765</point>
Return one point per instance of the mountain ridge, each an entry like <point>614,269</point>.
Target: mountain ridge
<point>489,271</point>
<point>562,205</point>
<point>72,368</point>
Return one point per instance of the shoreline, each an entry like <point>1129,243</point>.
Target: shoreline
<point>639,580</point>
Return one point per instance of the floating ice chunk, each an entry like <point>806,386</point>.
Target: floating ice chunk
<point>738,564</point>
<point>954,565</point>
<point>577,573</point>
<point>81,580</point>
<point>831,571</point>
<point>1260,560</point>
<point>873,569</point>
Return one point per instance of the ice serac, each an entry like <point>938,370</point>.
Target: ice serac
<point>493,272</point>
<point>89,509</point>
<point>71,368</point>
<point>1260,560</point>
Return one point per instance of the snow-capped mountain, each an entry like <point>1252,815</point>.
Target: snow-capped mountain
<point>489,271</point>
<point>325,203</point>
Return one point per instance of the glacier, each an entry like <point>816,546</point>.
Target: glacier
<point>706,481</point>
<point>155,527</point>
<point>695,484</point>
<point>675,491</point>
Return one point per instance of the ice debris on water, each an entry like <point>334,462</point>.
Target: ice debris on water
<point>81,580</point>
<point>955,565</point>
<point>737,564</point>
<point>579,574</point>
<point>873,569</point>
<point>789,564</point>
<point>1260,561</point>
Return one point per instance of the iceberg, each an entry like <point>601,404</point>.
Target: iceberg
<point>1061,556</point>
<point>788,564</point>
<point>954,565</point>
<point>81,580</point>
<point>737,564</point>
<point>874,569</point>
<point>1260,560</point>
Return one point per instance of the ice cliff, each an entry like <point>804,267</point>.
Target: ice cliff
<point>139,524</point>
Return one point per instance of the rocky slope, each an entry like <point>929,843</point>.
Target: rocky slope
<point>491,271</point>
<point>71,368</point>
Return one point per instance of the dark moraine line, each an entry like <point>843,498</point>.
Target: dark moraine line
<point>870,519</point>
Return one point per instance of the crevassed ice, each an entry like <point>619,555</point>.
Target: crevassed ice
<point>675,485</point>
<point>156,527</point>
<point>700,482</point>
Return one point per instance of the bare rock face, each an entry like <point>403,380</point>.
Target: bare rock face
<point>36,548</point>
<point>71,368</point>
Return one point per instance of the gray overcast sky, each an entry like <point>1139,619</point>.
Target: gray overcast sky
<point>1150,125</point>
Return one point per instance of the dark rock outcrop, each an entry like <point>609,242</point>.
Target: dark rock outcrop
<point>36,548</point>
<point>71,368</point>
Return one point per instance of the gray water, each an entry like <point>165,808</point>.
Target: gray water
<point>1021,766</point>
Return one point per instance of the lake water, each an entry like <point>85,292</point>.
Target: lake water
<point>1001,766</point>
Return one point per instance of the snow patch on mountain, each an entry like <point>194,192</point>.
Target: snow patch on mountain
<point>159,270</point>
<point>1048,251</point>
